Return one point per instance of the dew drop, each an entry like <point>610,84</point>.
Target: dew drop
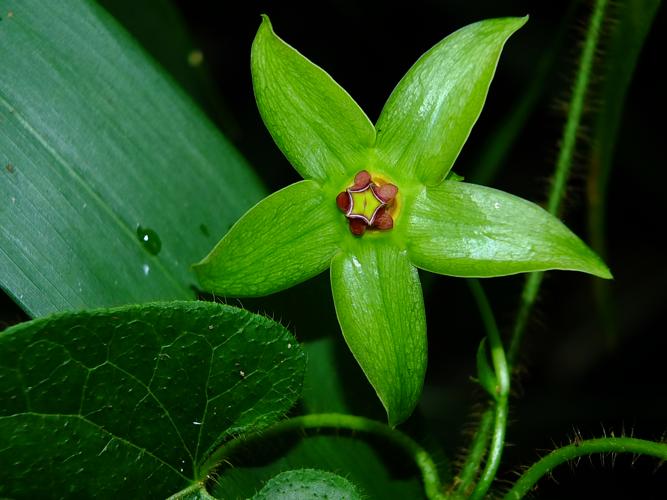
<point>204,230</point>
<point>149,239</point>
<point>147,269</point>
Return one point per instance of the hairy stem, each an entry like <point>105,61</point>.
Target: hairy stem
<point>472,464</point>
<point>582,448</point>
<point>502,392</point>
<point>494,421</point>
<point>196,490</point>
<point>419,455</point>
<point>563,164</point>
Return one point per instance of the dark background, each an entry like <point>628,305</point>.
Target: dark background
<point>576,375</point>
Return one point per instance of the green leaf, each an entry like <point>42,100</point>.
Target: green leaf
<point>462,229</point>
<point>98,150</point>
<point>430,113</point>
<point>372,466</point>
<point>380,309</point>
<point>314,121</point>
<point>119,401</point>
<point>308,483</point>
<point>162,31</point>
<point>285,239</point>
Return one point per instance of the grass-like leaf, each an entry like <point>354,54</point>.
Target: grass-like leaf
<point>112,181</point>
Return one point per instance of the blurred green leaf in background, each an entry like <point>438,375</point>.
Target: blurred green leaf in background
<point>113,181</point>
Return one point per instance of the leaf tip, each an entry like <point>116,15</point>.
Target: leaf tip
<point>398,412</point>
<point>604,272</point>
<point>597,267</point>
<point>265,30</point>
<point>266,22</point>
<point>517,23</point>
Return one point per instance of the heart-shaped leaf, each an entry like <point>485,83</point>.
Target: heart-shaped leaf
<point>133,401</point>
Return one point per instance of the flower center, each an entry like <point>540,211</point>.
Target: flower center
<point>367,204</point>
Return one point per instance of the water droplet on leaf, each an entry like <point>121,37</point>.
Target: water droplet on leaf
<point>149,239</point>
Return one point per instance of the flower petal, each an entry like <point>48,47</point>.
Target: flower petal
<point>380,309</point>
<point>462,229</point>
<point>314,122</point>
<point>430,113</point>
<point>283,240</point>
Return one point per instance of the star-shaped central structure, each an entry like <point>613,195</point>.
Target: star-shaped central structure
<point>364,204</point>
<point>367,204</point>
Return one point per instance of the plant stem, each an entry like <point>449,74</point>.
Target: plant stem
<point>419,455</point>
<point>474,459</point>
<point>494,420</point>
<point>563,164</point>
<point>194,491</point>
<point>581,448</point>
<point>502,392</point>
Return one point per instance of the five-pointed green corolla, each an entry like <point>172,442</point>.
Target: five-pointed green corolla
<point>426,221</point>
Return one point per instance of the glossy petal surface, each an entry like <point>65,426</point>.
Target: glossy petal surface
<point>380,308</point>
<point>285,239</point>
<point>430,113</point>
<point>462,229</point>
<point>312,119</point>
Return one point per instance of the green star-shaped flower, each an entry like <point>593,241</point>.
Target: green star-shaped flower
<point>376,204</point>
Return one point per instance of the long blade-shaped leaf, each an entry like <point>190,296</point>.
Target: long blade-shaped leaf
<point>163,32</point>
<point>134,401</point>
<point>113,183</point>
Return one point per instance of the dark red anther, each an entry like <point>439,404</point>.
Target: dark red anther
<point>361,180</point>
<point>358,227</point>
<point>386,192</point>
<point>383,220</point>
<point>343,201</point>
